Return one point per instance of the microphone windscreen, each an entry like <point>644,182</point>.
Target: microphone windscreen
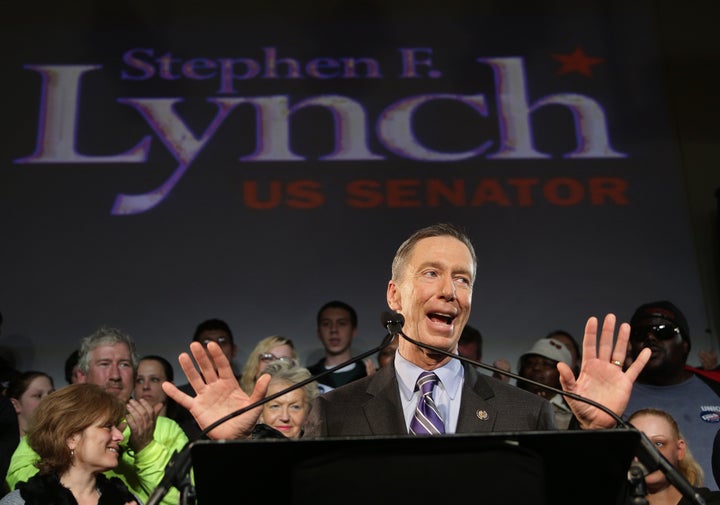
<point>388,317</point>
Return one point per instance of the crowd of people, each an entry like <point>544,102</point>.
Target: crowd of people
<point>128,416</point>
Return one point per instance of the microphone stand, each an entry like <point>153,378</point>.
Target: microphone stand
<point>648,454</point>
<point>177,469</point>
<point>636,479</point>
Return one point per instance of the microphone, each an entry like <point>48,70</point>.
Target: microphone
<point>649,456</point>
<point>179,465</point>
<point>392,322</point>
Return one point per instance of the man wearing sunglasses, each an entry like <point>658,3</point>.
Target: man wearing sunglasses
<point>667,382</point>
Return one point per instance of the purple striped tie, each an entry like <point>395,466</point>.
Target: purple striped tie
<point>427,420</point>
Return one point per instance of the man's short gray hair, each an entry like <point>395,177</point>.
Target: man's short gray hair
<point>105,335</point>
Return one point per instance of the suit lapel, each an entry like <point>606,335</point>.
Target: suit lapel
<point>382,411</point>
<point>477,415</point>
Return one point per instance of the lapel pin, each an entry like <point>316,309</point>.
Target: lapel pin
<point>482,415</point>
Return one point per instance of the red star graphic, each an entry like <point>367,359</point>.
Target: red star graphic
<point>577,61</point>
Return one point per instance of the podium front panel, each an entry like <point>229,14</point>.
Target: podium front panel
<point>537,468</point>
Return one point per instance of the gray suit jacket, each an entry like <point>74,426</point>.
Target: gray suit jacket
<point>372,406</point>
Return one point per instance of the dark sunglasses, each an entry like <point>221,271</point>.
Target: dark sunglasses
<point>219,341</point>
<point>661,332</point>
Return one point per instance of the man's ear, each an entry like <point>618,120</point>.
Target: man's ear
<point>393,297</point>
<point>82,377</point>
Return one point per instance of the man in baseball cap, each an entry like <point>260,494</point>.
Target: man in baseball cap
<point>540,365</point>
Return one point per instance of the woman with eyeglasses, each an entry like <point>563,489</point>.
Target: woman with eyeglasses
<point>662,430</point>
<point>269,349</point>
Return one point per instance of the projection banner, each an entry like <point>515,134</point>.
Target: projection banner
<point>252,168</point>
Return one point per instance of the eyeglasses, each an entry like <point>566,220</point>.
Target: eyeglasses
<point>218,341</point>
<point>268,356</point>
<point>661,332</point>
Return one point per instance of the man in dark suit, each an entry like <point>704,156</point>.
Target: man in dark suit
<point>370,407</point>
<point>431,287</point>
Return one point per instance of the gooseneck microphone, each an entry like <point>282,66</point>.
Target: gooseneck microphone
<point>650,457</point>
<point>177,468</point>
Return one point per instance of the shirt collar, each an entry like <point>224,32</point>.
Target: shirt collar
<point>450,375</point>
<point>559,401</point>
